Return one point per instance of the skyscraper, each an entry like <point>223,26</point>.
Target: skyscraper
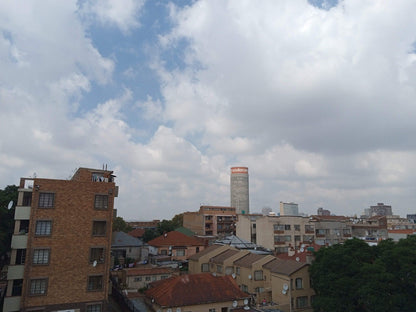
<point>240,190</point>
<point>60,257</point>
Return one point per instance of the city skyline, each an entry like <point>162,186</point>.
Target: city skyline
<point>315,97</point>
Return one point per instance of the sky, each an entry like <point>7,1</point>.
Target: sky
<point>316,98</point>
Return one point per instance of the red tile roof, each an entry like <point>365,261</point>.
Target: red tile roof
<point>137,233</point>
<point>174,238</point>
<point>298,255</point>
<point>194,289</point>
<point>408,231</point>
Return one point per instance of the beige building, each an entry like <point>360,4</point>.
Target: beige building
<point>61,243</point>
<point>279,233</point>
<point>211,221</point>
<point>290,284</point>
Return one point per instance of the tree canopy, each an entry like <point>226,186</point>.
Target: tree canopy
<point>356,277</point>
<point>163,227</point>
<point>119,225</point>
<point>6,219</point>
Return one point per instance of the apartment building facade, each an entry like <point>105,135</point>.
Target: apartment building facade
<point>211,221</point>
<point>60,257</point>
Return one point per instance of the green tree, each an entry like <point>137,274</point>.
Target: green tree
<point>357,277</point>
<point>6,219</point>
<point>119,225</point>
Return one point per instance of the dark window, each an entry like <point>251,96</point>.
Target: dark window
<point>101,202</point>
<point>41,256</point>
<point>94,308</point>
<point>43,228</point>
<point>46,200</point>
<point>299,283</point>
<point>17,287</point>
<point>20,256</point>
<point>97,254</point>
<point>27,199</point>
<point>99,228</point>
<point>24,227</point>
<point>287,227</point>
<point>258,275</point>
<point>95,282</point>
<point>204,267</point>
<point>301,302</point>
<point>38,286</point>
<point>147,278</point>
<point>297,227</point>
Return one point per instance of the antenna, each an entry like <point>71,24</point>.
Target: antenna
<point>10,205</point>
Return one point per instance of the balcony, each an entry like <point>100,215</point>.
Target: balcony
<point>15,272</point>
<point>19,242</point>
<point>22,213</point>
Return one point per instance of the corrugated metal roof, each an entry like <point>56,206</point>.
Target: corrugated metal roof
<point>121,239</point>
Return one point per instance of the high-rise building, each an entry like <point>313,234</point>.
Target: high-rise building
<point>289,209</point>
<point>240,190</point>
<point>380,210</point>
<point>60,258</point>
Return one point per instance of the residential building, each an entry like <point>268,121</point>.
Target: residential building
<point>151,225</point>
<point>371,229</point>
<point>289,209</point>
<point>60,257</point>
<point>196,292</point>
<point>211,221</point>
<point>290,285</point>
<point>199,263</point>
<point>126,247</point>
<point>323,212</point>
<point>397,235</point>
<point>380,210</point>
<point>176,245</point>
<point>330,230</point>
<point>239,187</point>
<point>140,277</point>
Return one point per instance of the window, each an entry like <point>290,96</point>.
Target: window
<point>17,287</point>
<point>138,279</point>
<point>101,202</point>
<point>41,256</point>
<point>46,200</point>
<point>147,278</point>
<point>301,302</point>
<point>219,268</point>
<point>154,278</point>
<point>244,288</point>
<point>237,270</point>
<point>94,308</point>
<point>164,277</point>
<point>99,228</point>
<point>299,283</point>
<point>43,228</point>
<point>95,282</point>
<point>229,270</point>
<point>97,254</point>
<point>38,286</point>
<point>20,256</point>
<point>164,252</point>
<point>204,267</point>
<point>287,227</point>
<point>258,275</point>
<point>180,252</point>
<point>282,238</point>
<point>278,227</point>
<point>297,238</point>
<point>211,310</point>
<point>297,227</point>
<point>259,289</point>
<point>309,228</point>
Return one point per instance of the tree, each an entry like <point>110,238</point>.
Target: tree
<point>119,225</point>
<point>357,277</point>
<point>6,219</point>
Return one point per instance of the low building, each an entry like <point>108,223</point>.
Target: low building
<point>176,245</point>
<point>126,248</point>
<point>137,278</point>
<point>397,235</point>
<point>371,229</point>
<point>199,262</point>
<point>196,292</point>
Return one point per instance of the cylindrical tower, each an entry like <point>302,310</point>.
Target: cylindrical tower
<point>239,190</point>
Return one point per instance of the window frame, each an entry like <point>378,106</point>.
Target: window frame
<point>301,302</point>
<point>101,201</point>
<point>258,275</point>
<point>39,233</point>
<point>36,290</point>
<point>99,282</point>
<point>91,307</point>
<point>99,259</point>
<point>48,202</point>
<point>204,267</point>
<point>299,283</point>
<point>179,252</point>
<point>42,256</point>
<point>105,228</point>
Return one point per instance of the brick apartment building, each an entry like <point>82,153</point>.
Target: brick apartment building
<point>60,257</point>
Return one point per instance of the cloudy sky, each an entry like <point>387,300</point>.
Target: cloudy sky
<point>316,97</point>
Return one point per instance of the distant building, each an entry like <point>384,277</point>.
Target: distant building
<point>380,210</point>
<point>411,218</point>
<point>211,221</point>
<point>151,225</point>
<point>289,209</point>
<point>60,257</point>
<point>239,186</point>
<point>323,212</point>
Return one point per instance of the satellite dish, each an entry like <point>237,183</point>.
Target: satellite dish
<point>10,205</point>
<point>235,303</point>
<point>297,259</point>
<point>284,292</point>
<point>94,264</point>
<point>178,309</point>
<point>246,308</point>
<point>302,249</point>
<point>233,275</point>
<point>285,287</point>
<point>245,301</point>
<point>249,276</point>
